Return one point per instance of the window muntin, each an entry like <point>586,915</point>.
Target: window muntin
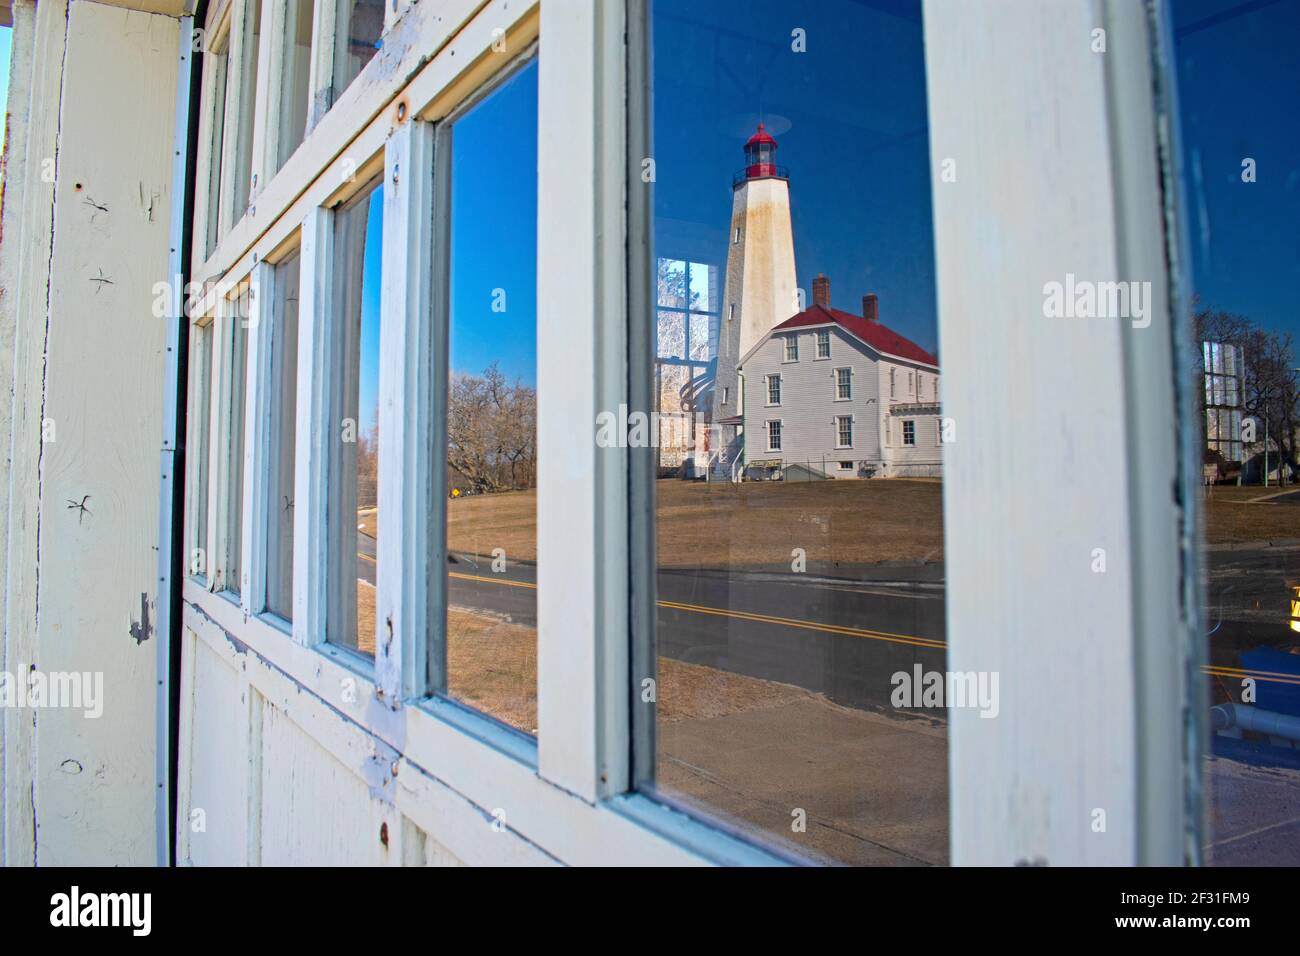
<point>491,407</point>
<point>909,432</point>
<point>774,390</point>
<point>823,344</point>
<point>716,630</point>
<point>1238,142</point>
<point>353,482</point>
<point>281,436</point>
<point>792,348</point>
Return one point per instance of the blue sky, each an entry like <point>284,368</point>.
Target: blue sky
<point>849,116</point>
<point>372,272</point>
<point>1238,88</point>
<point>494,232</point>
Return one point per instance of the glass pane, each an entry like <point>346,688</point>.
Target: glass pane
<point>492,406</point>
<point>198,425</point>
<point>236,394</point>
<point>1241,144</point>
<point>247,101</point>
<point>354,465</point>
<point>217,97</point>
<point>359,26</point>
<point>797,603</point>
<point>281,453</point>
<point>295,96</point>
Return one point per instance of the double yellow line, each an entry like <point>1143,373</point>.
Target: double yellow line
<point>845,631</point>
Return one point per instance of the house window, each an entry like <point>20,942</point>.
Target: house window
<point>891,381</point>
<point>844,431</point>
<point>846,466</point>
<point>792,348</point>
<point>843,384</point>
<point>282,446</point>
<point>731,311</point>
<point>823,343</point>
<point>774,435</point>
<point>726,394</point>
<point>735,239</point>
<point>909,432</point>
<point>910,392</point>
<point>491,562</point>
<point>774,390</point>
<point>353,516</point>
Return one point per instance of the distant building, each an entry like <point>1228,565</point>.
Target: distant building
<point>829,394</point>
<point>1223,376</point>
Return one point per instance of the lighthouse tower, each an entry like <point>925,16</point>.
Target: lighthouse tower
<point>759,291</point>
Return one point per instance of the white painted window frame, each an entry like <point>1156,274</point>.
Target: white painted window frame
<point>838,445</point>
<point>568,791</point>
<point>835,383</point>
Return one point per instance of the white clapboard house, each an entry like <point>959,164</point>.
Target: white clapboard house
<point>830,394</point>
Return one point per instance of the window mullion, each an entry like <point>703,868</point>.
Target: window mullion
<point>316,346</point>
<point>405,546</point>
<point>582,529</point>
<point>257,416</point>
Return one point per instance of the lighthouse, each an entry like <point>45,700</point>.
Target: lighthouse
<point>759,290</point>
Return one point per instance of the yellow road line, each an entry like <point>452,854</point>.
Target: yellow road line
<point>844,631</point>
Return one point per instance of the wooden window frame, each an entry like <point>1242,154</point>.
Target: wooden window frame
<point>570,793</point>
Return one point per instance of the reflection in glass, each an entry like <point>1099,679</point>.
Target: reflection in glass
<point>491,630</point>
<point>243,173</point>
<point>296,77</point>
<point>236,391</point>
<point>353,525</point>
<point>357,39</point>
<point>1241,151</point>
<point>281,453</point>
<point>798,515</point>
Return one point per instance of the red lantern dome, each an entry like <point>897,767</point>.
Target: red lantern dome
<point>760,158</point>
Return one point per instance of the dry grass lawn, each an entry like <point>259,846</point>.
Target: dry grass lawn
<point>1234,515</point>
<point>755,524</point>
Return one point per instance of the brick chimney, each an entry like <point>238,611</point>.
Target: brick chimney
<point>822,291</point>
<point>871,307</point>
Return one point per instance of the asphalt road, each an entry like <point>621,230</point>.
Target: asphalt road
<point>844,633</point>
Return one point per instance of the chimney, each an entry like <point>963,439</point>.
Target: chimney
<point>871,307</point>
<point>822,291</point>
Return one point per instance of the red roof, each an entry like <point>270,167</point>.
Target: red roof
<point>879,337</point>
<point>762,136</point>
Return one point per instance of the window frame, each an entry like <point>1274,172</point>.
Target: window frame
<point>571,792</point>
<point>848,384</point>
<point>839,421</point>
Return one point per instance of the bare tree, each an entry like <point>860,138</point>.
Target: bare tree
<point>492,432</point>
<point>1270,387</point>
